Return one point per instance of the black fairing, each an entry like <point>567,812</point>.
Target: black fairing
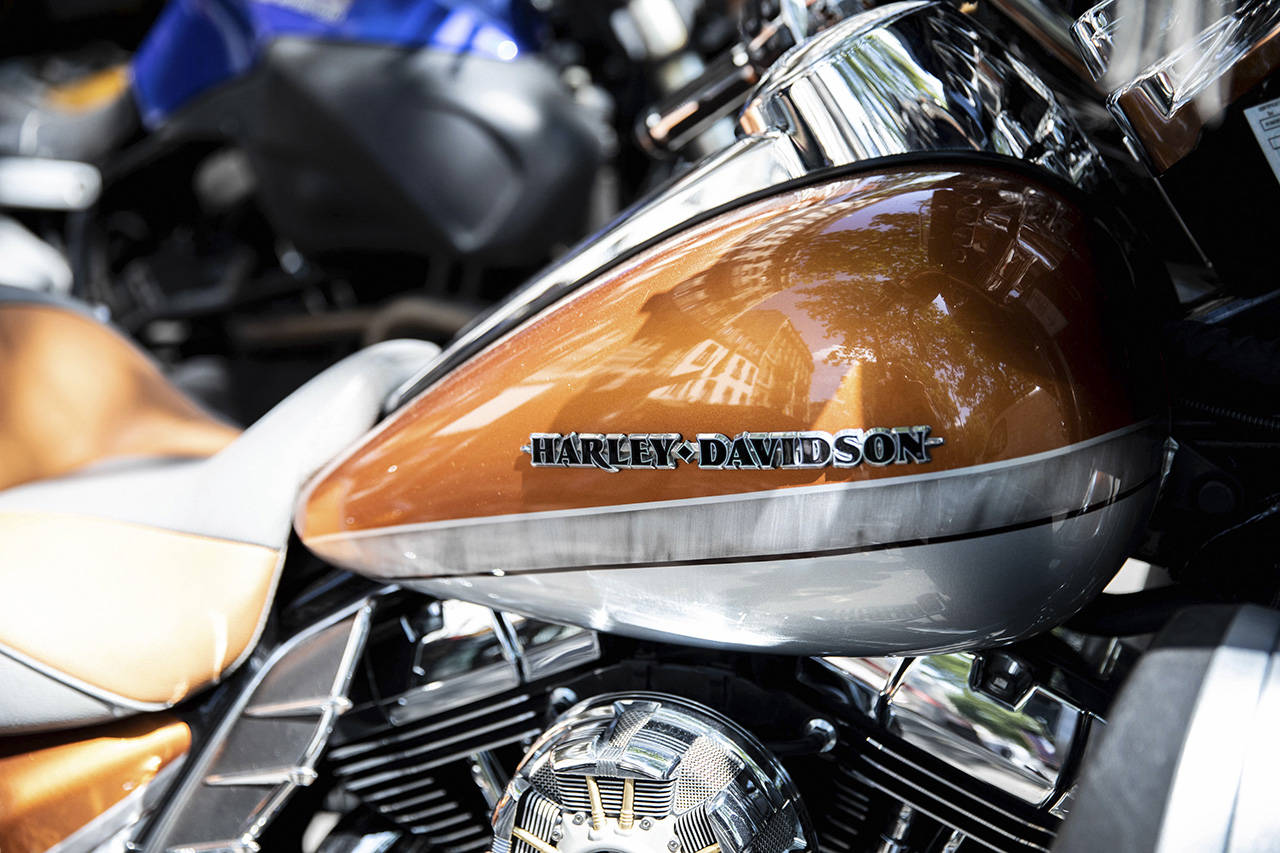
<point>369,147</point>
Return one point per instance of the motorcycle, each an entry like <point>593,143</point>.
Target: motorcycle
<point>264,183</point>
<point>775,517</point>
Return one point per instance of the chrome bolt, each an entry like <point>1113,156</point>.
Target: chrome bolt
<point>646,824</point>
<point>673,845</point>
<point>557,834</point>
<point>579,819</point>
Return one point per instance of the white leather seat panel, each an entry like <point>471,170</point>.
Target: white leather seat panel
<point>155,521</point>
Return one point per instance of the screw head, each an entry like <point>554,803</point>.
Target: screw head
<point>673,845</point>
<point>557,834</point>
<point>645,823</point>
<point>579,819</point>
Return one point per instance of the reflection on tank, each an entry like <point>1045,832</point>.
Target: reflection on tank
<point>970,303</point>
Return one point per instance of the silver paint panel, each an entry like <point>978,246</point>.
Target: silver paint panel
<point>916,598</point>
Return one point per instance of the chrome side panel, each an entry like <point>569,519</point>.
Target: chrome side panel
<point>269,741</point>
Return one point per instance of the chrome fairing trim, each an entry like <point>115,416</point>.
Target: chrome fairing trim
<point>808,521</point>
<point>268,742</point>
<point>829,102</point>
<point>916,77</point>
<point>922,597</point>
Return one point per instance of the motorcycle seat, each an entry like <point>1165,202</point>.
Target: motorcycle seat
<point>85,119</point>
<point>141,539</point>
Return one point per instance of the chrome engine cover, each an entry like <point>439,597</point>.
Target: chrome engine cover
<point>649,773</point>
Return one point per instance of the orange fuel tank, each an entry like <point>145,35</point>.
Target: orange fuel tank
<point>900,410</point>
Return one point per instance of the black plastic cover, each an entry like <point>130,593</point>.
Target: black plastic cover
<point>372,147</point>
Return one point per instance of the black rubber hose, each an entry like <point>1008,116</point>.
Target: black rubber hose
<point>1224,413</point>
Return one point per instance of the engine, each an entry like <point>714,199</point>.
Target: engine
<point>509,734</point>
<point>648,772</point>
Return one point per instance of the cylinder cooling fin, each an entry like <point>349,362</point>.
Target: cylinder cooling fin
<point>649,773</point>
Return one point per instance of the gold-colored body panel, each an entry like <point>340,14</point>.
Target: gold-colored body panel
<point>73,392</point>
<point>52,786</point>
<point>90,598</point>
<point>970,301</point>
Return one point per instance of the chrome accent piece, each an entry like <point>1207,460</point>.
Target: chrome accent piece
<point>472,653</point>
<point>44,184</point>
<point>916,76</point>
<point>1170,69</point>
<point>225,846</point>
<point>547,648</point>
<point>300,708</point>
<point>488,775</point>
<point>906,77</point>
<point>695,779</point>
<point>299,776</point>
<point>1094,33</point>
<point>1050,26</point>
<point>1020,749</point>
<point>466,656</point>
<point>869,680</point>
<point>1062,807</point>
<point>931,703</point>
<point>252,763</point>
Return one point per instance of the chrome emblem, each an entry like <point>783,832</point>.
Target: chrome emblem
<point>749,451</point>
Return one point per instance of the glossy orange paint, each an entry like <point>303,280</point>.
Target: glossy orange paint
<point>969,301</point>
<point>52,785</point>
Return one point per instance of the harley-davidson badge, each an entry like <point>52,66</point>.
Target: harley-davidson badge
<point>748,451</point>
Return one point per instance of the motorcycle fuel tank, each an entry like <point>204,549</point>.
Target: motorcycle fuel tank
<point>901,409</point>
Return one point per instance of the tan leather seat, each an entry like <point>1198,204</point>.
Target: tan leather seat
<point>140,538</point>
<point>73,392</point>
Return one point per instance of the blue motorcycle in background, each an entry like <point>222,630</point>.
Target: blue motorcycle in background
<point>262,185</point>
